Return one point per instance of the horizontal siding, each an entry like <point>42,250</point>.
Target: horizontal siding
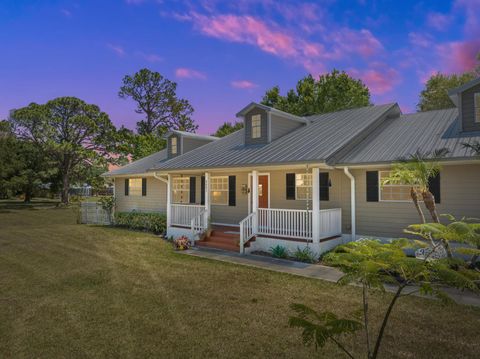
<point>190,144</point>
<point>154,201</point>
<point>468,110</point>
<point>281,126</point>
<point>232,214</point>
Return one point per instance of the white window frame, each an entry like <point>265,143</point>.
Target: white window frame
<point>174,145</point>
<point>213,180</point>
<point>476,107</point>
<point>178,187</point>
<point>309,196</point>
<point>380,186</point>
<point>257,129</point>
<point>135,187</point>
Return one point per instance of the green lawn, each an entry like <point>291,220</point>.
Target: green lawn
<point>76,291</point>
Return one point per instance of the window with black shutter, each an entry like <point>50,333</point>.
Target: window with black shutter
<point>434,187</point>
<point>372,186</point>
<point>290,188</point>
<point>127,185</point>
<point>193,187</point>
<point>202,190</point>
<point>144,186</point>
<point>232,199</point>
<point>324,186</point>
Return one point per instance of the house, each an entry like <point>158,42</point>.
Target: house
<point>315,180</point>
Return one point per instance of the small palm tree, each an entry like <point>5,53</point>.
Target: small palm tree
<point>473,147</point>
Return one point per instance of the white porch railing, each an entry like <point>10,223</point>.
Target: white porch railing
<point>330,222</point>
<point>182,214</point>
<point>199,223</point>
<point>290,223</point>
<point>247,229</point>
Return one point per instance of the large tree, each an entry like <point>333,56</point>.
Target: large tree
<point>70,132</point>
<point>157,100</point>
<point>435,94</point>
<point>137,146</point>
<point>227,128</point>
<point>331,92</point>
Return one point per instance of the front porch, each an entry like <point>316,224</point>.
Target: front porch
<point>247,220</point>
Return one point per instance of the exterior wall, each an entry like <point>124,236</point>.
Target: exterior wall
<point>232,214</point>
<point>179,146</point>
<point>281,126</point>
<point>154,201</point>
<point>248,127</point>
<point>460,196</point>
<point>468,110</point>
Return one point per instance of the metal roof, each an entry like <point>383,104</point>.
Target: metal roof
<point>273,110</point>
<point>464,87</point>
<point>191,135</point>
<point>140,166</point>
<point>423,131</point>
<point>324,135</point>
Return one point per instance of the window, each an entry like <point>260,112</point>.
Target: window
<point>256,126</point>
<point>181,190</point>
<point>477,106</point>
<point>303,186</point>
<point>219,190</point>
<point>174,145</point>
<point>393,192</point>
<point>135,187</point>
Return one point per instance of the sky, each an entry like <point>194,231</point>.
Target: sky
<point>225,54</point>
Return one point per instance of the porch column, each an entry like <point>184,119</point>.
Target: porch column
<point>207,196</point>
<point>316,204</point>
<point>169,200</point>
<point>255,199</point>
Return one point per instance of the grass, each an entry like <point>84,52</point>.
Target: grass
<point>77,291</point>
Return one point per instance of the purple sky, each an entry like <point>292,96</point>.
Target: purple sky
<point>224,54</point>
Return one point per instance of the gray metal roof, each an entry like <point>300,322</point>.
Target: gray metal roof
<point>273,110</point>
<point>403,136</point>
<point>191,135</point>
<point>464,87</point>
<point>140,166</point>
<point>313,142</point>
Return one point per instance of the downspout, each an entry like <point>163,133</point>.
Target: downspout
<point>159,178</point>
<point>352,200</point>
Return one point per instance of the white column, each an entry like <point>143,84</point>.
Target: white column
<point>207,196</point>
<point>169,201</point>
<point>352,202</point>
<point>255,199</point>
<point>316,205</point>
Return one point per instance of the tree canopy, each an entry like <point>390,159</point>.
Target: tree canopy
<point>331,92</point>
<point>435,94</point>
<point>227,128</point>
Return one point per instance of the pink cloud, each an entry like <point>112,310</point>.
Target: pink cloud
<point>361,42</point>
<point>380,79</point>
<point>439,21</point>
<point>243,84</point>
<point>118,50</point>
<point>459,56</point>
<point>186,73</point>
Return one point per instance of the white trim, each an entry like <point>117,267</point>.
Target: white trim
<point>176,145</point>
<point>296,196</point>
<point>258,127</point>
<point>183,190</point>
<point>269,127</point>
<point>226,224</point>
<point>169,201</point>
<point>352,202</point>
<point>250,192</point>
<point>228,191</point>
<point>315,204</point>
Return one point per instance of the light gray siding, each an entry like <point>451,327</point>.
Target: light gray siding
<point>281,126</point>
<point>248,127</point>
<point>154,201</point>
<point>468,109</point>
<point>232,214</point>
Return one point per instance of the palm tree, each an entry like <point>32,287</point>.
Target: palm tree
<point>474,147</point>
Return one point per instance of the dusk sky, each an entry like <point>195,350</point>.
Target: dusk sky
<point>225,54</point>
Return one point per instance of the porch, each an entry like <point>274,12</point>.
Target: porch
<point>249,216</point>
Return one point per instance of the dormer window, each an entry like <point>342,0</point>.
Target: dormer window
<point>256,126</point>
<point>477,107</point>
<point>174,145</point>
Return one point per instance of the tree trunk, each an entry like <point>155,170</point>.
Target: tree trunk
<point>414,196</point>
<point>28,196</point>
<point>429,201</point>
<point>65,187</point>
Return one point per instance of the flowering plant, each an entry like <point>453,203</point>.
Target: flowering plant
<point>181,243</point>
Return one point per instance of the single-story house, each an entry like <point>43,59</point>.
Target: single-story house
<point>314,180</point>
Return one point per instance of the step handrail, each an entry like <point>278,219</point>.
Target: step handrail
<point>198,224</point>
<point>248,227</point>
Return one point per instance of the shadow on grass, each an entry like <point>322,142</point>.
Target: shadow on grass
<point>7,205</point>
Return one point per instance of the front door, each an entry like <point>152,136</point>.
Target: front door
<point>263,191</point>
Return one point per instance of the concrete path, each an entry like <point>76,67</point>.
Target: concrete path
<point>316,271</point>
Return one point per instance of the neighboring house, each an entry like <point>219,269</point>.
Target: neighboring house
<point>292,180</point>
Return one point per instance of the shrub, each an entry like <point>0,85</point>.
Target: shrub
<point>305,255</point>
<point>181,243</point>
<point>279,251</point>
<point>150,222</point>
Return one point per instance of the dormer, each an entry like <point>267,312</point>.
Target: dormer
<point>264,124</point>
<point>180,142</point>
<point>467,100</point>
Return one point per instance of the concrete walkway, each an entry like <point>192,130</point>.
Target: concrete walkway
<point>316,271</point>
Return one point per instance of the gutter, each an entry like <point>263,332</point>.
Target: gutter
<point>352,201</point>
<point>160,178</point>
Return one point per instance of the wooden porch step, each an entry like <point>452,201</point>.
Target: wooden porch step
<point>218,245</point>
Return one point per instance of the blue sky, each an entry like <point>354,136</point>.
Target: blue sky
<point>224,54</point>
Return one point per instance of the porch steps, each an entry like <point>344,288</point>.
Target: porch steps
<point>226,238</point>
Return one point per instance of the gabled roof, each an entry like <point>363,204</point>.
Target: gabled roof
<point>403,136</point>
<point>316,141</point>
<point>464,87</point>
<point>190,135</point>
<point>284,114</point>
<point>140,166</point>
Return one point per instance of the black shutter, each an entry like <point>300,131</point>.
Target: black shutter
<point>372,186</point>
<point>434,187</point>
<point>290,186</point>
<point>127,185</point>
<point>232,199</point>
<point>202,186</point>
<point>324,186</point>
<point>144,186</point>
<point>193,187</point>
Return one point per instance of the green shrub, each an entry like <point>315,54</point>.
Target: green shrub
<point>151,222</point>
<point>305,255</point>
<point>279,251</point>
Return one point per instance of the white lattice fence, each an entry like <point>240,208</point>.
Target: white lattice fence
<point>93,213</point>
